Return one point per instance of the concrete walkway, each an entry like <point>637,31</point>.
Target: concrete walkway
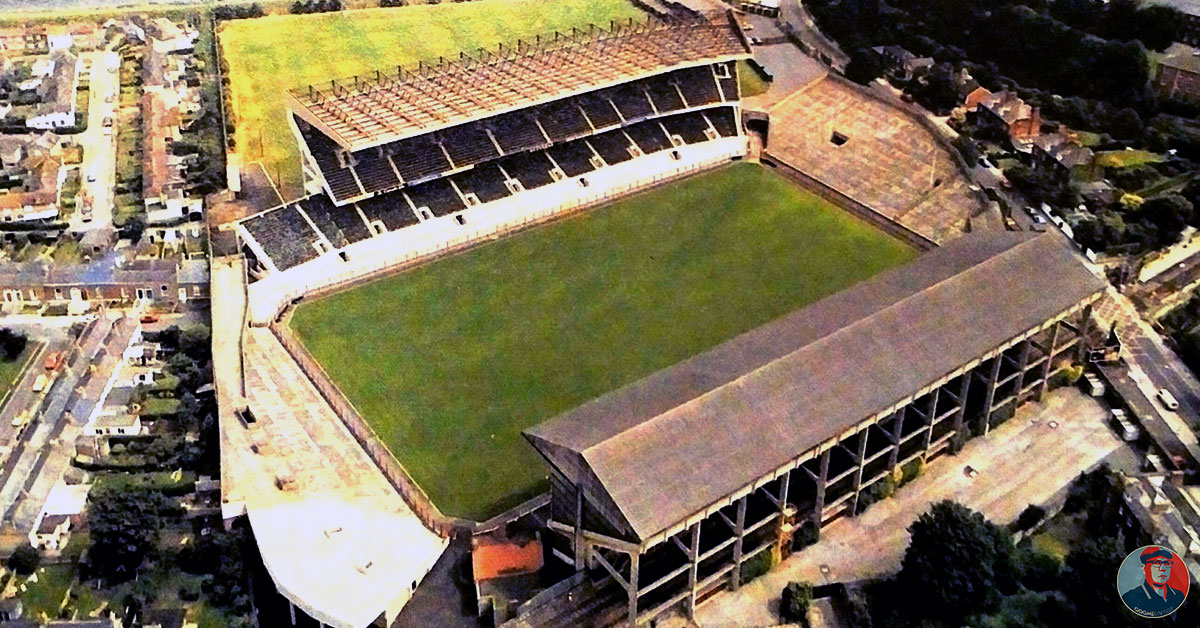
<point>1025,461</point>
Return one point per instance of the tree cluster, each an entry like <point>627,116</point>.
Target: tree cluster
<point>237,11</point>
<point>124,527</point>
<point>316,6</point>
<point>1156,26</point>
<point>12,343</point>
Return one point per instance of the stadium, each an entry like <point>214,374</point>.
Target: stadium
<point>583,182</point>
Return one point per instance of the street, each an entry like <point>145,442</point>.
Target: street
<point>1024,461</point>
<point>99,168</point>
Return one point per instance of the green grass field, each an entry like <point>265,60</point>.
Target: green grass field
<point>450,361</point>
<point>269,55</point>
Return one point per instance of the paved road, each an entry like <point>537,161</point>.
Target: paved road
<point>1025,461</point>
<point>99,169</point>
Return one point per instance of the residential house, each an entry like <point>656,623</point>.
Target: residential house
<point>122,424</point>
<point>103,280</point>
<point>897,59</point>
<point>167,36</point>
<point>1178,74</point>
<point>57,109</point>
<point>163,180</point>
<point>12,150</point>
<point>1061,153</point>
<point>505,573</point>
<point>1004,115</point>
<point>24,41</point>
<point>50,532</point>
<point>37,198</point>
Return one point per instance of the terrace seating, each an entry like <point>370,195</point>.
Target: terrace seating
<point>562,119</point>
<point>573,157</point>
<point>689,126</point>
<point>613,146</point>
<point>515,132</point>
<point>285,236</point>
<point>698,85</point>
<point>729,86</point>
<point>485,181</point>
<point>723,121</point>
<point>438,195</point>
<point>374,171</point>
<point>330,219</point>
<point>649,136</point>
<point>631,100</point>
<point>417,158</point>
<point>666,98</point>
<point>531,169</point>
<point>390,209</point>
<point>468,144</point>
<point>600,111</point>
<point>340,180</point>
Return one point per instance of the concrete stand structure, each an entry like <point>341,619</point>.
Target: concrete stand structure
<point>671,484</point>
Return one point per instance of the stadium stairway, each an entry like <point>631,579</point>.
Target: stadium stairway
<point>587,605</point>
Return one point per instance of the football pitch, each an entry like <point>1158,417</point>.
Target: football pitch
<point>269,55</point>
<point>451,360</point>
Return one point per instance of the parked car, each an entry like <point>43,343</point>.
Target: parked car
<point>53,361</point>
<point>149,318</point>
<point>1167,399</point>
<point>970,471</point>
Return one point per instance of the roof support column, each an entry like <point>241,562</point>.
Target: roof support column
<point>861,454</point>
<point>819,503</point>
<point>1085,326</point>
<point>633,589</point>
<point>1049,360</point>
<point>693,573</point>
<point>993,377</point>
<point>927,439</point>
<point>1022,364</point>
<point>579,547</point>
<point>959,416</point>
<point>292,611</point>
<point>897,432</point>
<point>739,534</point>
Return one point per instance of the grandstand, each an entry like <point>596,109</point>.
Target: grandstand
<point>412,161</point>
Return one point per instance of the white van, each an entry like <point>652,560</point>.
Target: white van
<point>1167,399</point>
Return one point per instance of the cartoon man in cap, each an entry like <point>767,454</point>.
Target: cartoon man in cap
<point>1154,597</point>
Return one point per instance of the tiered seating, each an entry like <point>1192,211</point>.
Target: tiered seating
<point>573,157</point>
<point>485,181</point>
<point>689,126</point>
<point>649,136</point>
<point>342,225</point>
<point>324,150</point>
<point>374,171</point>
<point>729,86</point>
<point>663,93</point>
<point>438,195</point>
<point>468,144</point>
<point>631,101</point>
<point>515,132</point>
<point>417,158</point>
<point>531,169</point>
<point>698,85</point>
<point>562,119</point>
<point>599,110</point>
<point>285,236</point>
<point>723,121</point>
<point>612,146</point>
<point>390,209</point>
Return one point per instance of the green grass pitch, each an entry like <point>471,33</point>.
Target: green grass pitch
<point>269,55</point>
<point>451,360</point>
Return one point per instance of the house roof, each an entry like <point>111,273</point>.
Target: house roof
<point>50,523</point>
<point>1182,57</point>
<point>58,90</point>
<point>497,559</point>
<point>1064,148</point>
<point>102,272</point>
<point>1008,106</point>
<point>682,439</point>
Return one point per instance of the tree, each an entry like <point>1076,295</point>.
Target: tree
<point>1089,569</point>
<point>12,343</point>
<point>194,341</point>
<point>124,527</point>
<point>797,597</point>
<point>24,560</point>
<point>1170,213</point>
<point>864,67</point>
<point>958,562</point>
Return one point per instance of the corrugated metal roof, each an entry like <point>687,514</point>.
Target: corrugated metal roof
<point>667,446</point>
